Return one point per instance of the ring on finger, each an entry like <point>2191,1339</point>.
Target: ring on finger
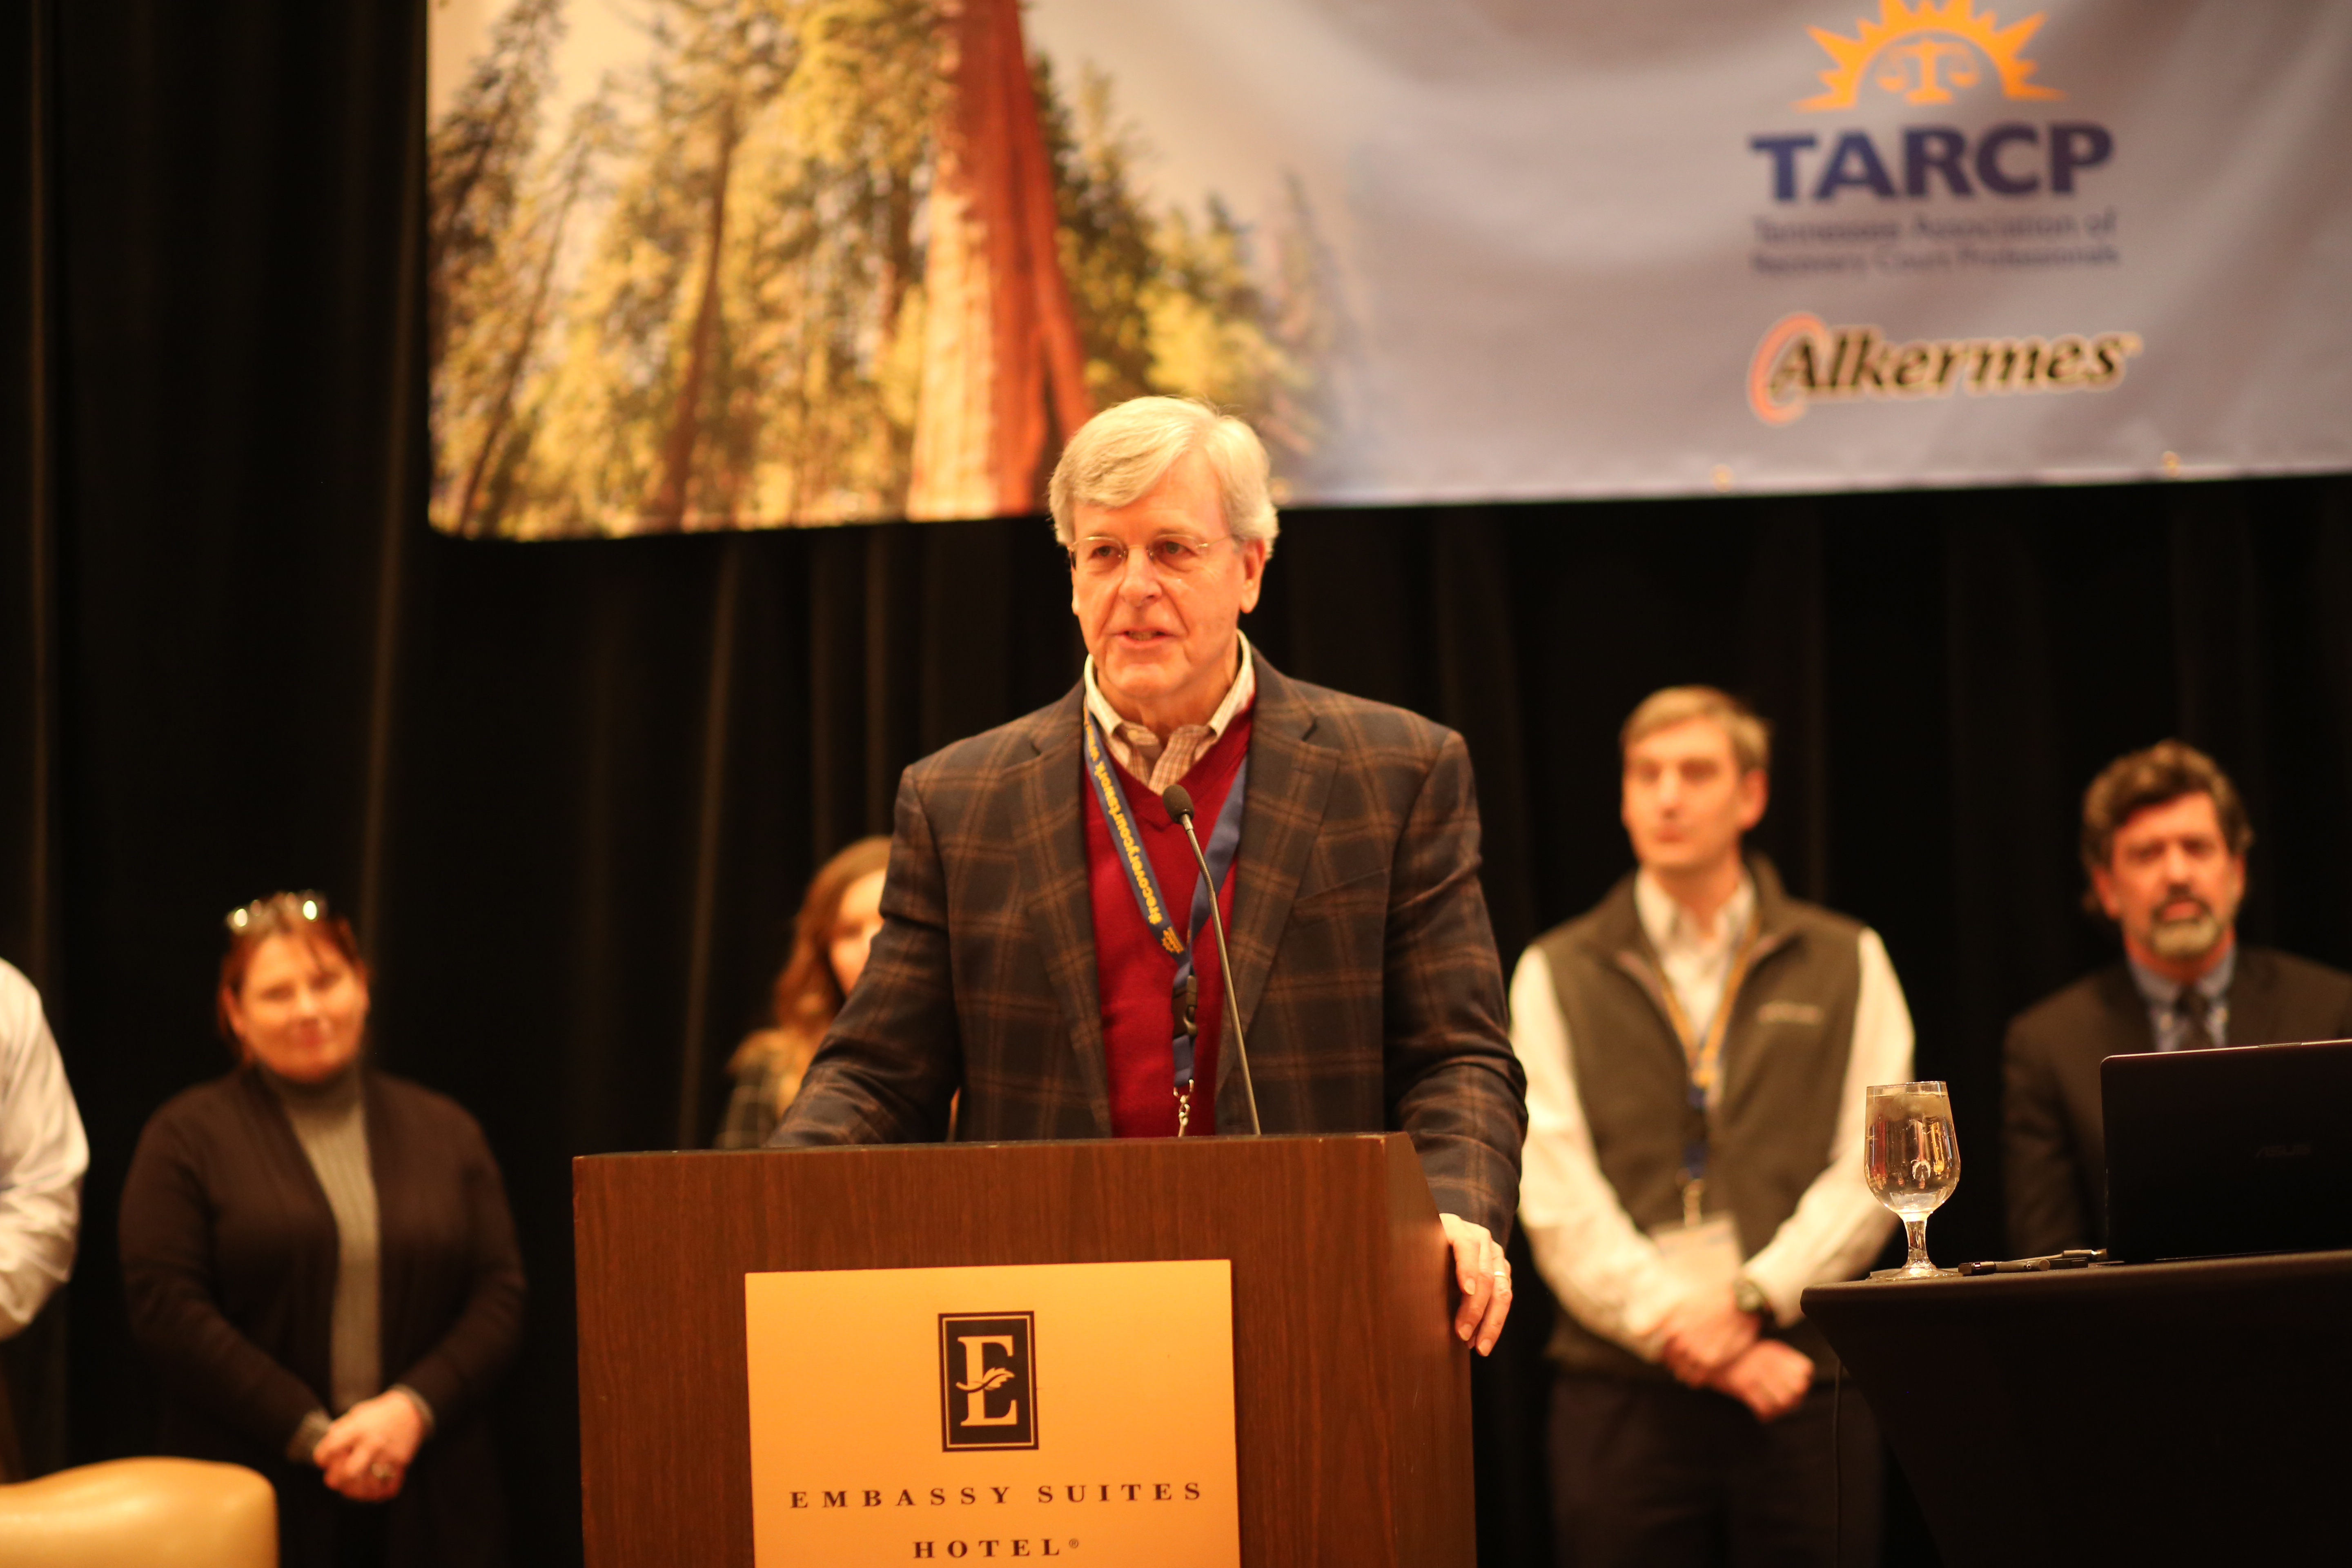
<point>379,1470</point>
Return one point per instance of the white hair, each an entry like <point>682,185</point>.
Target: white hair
<point>1122,453</point>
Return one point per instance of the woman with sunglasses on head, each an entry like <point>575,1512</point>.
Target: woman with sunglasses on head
<point>321,1268</point>
<point>838,917</point>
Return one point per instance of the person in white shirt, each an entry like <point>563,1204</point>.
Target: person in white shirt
<point>1697,1049</point>
<point>42,1157</point>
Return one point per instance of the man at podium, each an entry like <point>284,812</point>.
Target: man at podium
<point>1048,951</point>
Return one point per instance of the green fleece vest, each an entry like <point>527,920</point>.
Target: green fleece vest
<point>1785,1055</point>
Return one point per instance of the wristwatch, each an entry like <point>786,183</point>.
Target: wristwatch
<point>1750,1297</point>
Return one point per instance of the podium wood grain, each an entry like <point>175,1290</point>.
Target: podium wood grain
<point>1352,1395</point>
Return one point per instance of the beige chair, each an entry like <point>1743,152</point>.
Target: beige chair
<point>140,1514</point>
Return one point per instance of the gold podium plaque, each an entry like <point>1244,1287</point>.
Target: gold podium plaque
<point>1081,1413</point>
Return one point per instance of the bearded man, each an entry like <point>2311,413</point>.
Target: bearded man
<point>2165,838</point>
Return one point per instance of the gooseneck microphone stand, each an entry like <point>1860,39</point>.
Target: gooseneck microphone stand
<point>1178,802</point>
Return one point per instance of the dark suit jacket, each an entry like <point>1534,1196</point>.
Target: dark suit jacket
<point>2057,1168</point>
<point>1364,967</point>
<point>229,1257</point>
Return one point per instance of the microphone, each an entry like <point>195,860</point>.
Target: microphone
<point>1178,802</point>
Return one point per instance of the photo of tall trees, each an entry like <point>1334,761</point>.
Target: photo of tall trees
<point>819,261</point>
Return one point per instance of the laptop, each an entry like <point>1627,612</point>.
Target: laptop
<point>2221,1153</point>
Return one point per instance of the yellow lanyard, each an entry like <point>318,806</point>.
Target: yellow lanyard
<point>1705,1055</point>
<point>1704,1058</point>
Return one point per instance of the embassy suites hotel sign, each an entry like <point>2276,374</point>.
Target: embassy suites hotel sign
<point>1075,1413</point>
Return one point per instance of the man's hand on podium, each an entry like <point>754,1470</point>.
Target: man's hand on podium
<point>1485,1277</point>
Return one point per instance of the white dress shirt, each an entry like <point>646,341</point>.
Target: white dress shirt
<point>1597,1261</point>
<point>42,1157</point>
<point>1696,960</point>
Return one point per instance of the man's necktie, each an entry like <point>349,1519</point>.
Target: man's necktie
<point>2196,1025</point>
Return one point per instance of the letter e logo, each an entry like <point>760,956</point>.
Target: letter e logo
<point>988,1380</point>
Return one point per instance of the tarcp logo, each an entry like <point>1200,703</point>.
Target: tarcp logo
<point>1923,54</point>
<point>988,1380</point>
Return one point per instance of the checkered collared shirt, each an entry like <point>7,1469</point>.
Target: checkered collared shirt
<point>1157,762</point>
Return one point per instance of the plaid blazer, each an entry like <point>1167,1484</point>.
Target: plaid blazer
<point>1363,964</point>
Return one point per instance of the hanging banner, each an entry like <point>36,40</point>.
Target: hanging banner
<point>743,263</point>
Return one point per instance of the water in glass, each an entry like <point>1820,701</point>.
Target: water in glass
<point>1911,1159</point>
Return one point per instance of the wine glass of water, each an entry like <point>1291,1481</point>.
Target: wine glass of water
<point>1911,1159</point>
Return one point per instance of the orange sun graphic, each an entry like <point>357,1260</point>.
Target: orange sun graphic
<point>1924,52</point>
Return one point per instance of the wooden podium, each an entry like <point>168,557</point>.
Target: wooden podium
<point>1352,1394</point>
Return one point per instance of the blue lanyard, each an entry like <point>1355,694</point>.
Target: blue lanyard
<point>1126,843</point>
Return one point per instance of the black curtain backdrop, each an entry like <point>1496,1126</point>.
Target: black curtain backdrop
<point>574,791</point>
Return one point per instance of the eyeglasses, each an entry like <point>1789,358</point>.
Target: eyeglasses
<point>278,911</point>
<point>1098,556</point>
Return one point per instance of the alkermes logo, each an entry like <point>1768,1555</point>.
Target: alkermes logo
<point>1802,360</point>
<point>988,1380</point>
<point>1923,53</point>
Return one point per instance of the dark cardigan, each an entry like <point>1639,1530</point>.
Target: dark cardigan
<point>229,1254</point>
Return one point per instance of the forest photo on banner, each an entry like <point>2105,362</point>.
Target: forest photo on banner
<point>703,264</point>
<point>748,263</point>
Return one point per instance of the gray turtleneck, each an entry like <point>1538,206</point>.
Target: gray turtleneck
<point>330,1122</point>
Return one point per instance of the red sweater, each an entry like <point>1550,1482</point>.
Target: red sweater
<point>1135,978</point>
